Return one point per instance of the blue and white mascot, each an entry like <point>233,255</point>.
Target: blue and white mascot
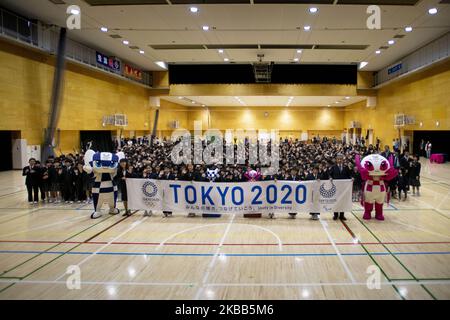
<point>103,165</point>
<point>212,174</point>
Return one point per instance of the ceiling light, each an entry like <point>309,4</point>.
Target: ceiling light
<point>346,98</point>
<point>337,102</point>
<point>161,64</point>
<point>75,11</point>
<point>203,105</point>
<point>408,29</point>
<point>141,51</point>
<point>299,51</point>
<point>193,102</point>
<point>307,28</point>
<point>193,9</point>
<point>205,28</point>
<point>329,105</point>
<point>220,50</point>
<point>104,29</point>
<point>181,98</point>
<point>313,10</point>
<point>226,59</point>
<point>363,64</point>
<point>378,51</point>
<point>391,42</point>
<point>125,42</point>
<point>433,11</point>
<point>296,59</point>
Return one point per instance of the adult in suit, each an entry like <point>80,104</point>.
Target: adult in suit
<point>340,172</point>
<point>386,153</point>
<point>33,175</point>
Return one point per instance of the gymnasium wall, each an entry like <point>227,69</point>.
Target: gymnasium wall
<point>291,121</point>
<point>27,76</point>
<point>424,96</point>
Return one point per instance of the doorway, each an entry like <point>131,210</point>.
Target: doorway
<point>101,140</point>
<point>6,147</point>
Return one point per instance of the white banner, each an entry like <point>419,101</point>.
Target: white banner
<point>240,197</point>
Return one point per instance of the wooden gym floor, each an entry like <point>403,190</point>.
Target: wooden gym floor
<point>228,258</point>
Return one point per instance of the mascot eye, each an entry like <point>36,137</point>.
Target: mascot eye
<point>384,165</point>
<point>98,163</point>
<point>369,166</point>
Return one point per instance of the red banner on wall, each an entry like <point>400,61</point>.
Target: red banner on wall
<point>132,72</point>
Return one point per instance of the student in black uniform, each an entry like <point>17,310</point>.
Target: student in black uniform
<point>68,182</point>
<point>414,175</point>
<point>125,171</point>
<point>293,177</point>
<point>340,172</point>
<point>357,185</point>
<point>402,184</point>
<point>316,175</point>
<point>166,175</point>
<point>43,180</point>
<point>188,174</point>
<point>51,181</point>
<point>32,174</point>
<point>81,182</point>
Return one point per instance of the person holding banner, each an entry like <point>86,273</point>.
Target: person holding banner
<point>166,175</point>
<point>293,177</point>
<point>125,171</point>
<point>340,172</point>
<point>252,176</point>
<point>316,175</point>
<point>188,174</point>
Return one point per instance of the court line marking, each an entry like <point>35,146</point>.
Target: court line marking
<point>394,256</point>
<point>352,234</point>
<point>162,243</point>
<point>20,216</point>
<point>57,244</point>
<point>187,254</point>
<point>63,253</point>
<point>214,259</point>
<point>274,284</point>
<point>430,207</point>
<point>421,229</point>
<point>133,225</point>
<point>225,244</point>
<point>46,226</point>
<point>344,264</point>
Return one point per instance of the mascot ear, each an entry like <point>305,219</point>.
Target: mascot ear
<point>120,155</point>
<point>88,156</point>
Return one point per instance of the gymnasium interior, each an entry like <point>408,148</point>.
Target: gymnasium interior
<point>79,74</point>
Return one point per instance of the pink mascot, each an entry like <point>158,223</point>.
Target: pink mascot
<point>252,176</point>
<point>374,170</point>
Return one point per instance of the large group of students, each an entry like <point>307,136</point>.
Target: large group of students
<point>62,178</point>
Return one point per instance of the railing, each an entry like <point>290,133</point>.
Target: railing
<point>45,38</point>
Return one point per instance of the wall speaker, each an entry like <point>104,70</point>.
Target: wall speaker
<point>371,102</point>
<point>155,102</point>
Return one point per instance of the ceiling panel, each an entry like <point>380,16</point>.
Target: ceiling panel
<point>264,101</point>
<point>246,24</point>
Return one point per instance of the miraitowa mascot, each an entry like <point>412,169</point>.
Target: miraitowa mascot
<point>252,176</point>
<point>374,170</point>
<point>212,174</point>
<point>103,165</point>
